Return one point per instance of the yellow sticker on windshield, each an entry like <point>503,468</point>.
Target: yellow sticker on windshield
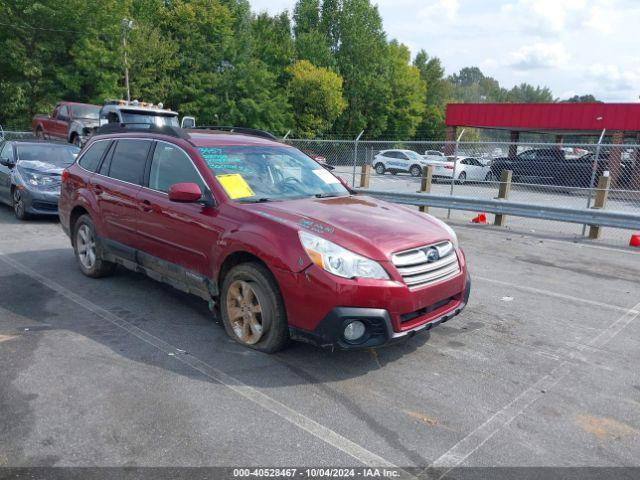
<point>235,186</point>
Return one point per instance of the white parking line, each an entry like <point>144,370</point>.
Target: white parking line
<point>478,437</point>
<point>549,293</point>
<point>301,421</point>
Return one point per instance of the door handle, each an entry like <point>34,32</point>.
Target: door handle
<point>145,206</point>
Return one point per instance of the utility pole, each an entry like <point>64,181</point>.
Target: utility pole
<point>126,26</point>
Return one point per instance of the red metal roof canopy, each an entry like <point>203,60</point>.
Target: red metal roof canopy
<point>576,118</point>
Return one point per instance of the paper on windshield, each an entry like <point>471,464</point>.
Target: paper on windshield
<point>235,186</point>
<point>326,177</point>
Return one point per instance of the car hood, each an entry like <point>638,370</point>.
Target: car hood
<point>362,224</point>
<point>41,167</point>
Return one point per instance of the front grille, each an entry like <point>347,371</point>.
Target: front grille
<point>429,264</point>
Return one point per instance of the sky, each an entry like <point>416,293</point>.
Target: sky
<point>574,47</point>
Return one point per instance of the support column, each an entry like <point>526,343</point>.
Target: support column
<point>451,133</point>
<point>615,157</point>
<point>635,160</point>
<point>559,139</point>
<point>513,146</point>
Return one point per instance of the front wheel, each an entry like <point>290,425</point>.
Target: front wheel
<point>380,169</point>
<point>462,178</point>
<point>490,177</point>
<point>415,171</point>
<point>85,246</point>
<point>76,141</point>
<point>19,207</point>
<point>252,308</point>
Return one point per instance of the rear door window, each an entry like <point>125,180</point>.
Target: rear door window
<point>128,160</point>
<point>91,158</point>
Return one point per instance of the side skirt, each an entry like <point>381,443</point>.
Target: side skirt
<point>160,270</point>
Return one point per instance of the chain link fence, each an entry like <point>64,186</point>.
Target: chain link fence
<point>14,134</point>
<point>547,174</point>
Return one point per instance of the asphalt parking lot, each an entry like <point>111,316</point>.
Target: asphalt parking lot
<point>540,370</point>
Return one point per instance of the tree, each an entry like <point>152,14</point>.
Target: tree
<point>471,85</point>
<point>316,96</point>
<point>439,91</point>
<point>582,99</point>
<point>525,93</point>
<point>407,104</point>
<point>354,29</point>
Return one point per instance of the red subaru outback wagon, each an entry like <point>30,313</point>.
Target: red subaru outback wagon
<point>276,244</point>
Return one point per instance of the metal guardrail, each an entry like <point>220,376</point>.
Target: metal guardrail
<point>587,216</point>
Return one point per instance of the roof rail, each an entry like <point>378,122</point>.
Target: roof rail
<point>133,127</point>
<point>242,130</point>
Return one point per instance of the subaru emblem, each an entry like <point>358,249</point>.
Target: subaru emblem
<point>433,255</point>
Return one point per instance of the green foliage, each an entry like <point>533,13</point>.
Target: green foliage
<point>582,99</point>
<point>326,68</point>
<point>407,104</point>
<point>316,97</point>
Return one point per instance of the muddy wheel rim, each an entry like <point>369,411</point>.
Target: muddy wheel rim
<point>245,312</point>
<point>18,203</point>
<point>86,245</point>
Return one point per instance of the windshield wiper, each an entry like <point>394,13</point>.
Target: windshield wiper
<point>257,200</point>
<point>326,195</point>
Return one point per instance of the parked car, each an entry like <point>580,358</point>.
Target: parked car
<point>279,245</point>
<point>551,166</point>
<point>467,169</point>
<point>71,122</point>
<point>537,165</point>
<point>30,175</point>
<point>321,159</point>
<point>396,161</point>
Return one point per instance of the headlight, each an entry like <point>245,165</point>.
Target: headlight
<point>38,180</point>
<point>340,261</point>
<point>450,231</point>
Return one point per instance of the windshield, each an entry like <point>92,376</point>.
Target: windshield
<point>258,174</point>
<point>159,120</point>
<point>59,155</point>
<point>413,155</point>
<point>85,111</point>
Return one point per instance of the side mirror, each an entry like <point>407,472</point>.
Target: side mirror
<point>188,122</point>
<point>7,163</point>
<point>185,192</point>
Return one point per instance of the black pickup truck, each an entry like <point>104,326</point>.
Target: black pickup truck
<point>550,166</point>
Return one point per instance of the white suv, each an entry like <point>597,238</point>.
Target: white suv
<point>395,161</point>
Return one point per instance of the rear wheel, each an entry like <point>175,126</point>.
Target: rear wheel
<point>462,178</point>
<point>252,308</point>
<point>39,133</point>
<point>415,171</point>
<point>19,207</point>
<point>88,254</point>
<point>490,177</point>
<point>380,169</point>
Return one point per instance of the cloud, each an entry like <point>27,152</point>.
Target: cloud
<point>439,9</point>
<point>612,78</point>
<point>539,55</point>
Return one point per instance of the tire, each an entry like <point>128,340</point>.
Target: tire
<point>380,168</point>
<point>462,178</point>
<point>76,141</point>
<point>19,208</point>
<point>87,251</point>
<point>489,177</point>
<point>252,309</point>
<point>415,171</point>
<point>39,133</point>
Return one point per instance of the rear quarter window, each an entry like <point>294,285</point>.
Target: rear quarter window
<point>91,158</point>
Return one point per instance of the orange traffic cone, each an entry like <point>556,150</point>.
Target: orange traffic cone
<point>635,240</point>
<point>481,218</point>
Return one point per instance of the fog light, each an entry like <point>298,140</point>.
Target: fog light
<point>354,331</point>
